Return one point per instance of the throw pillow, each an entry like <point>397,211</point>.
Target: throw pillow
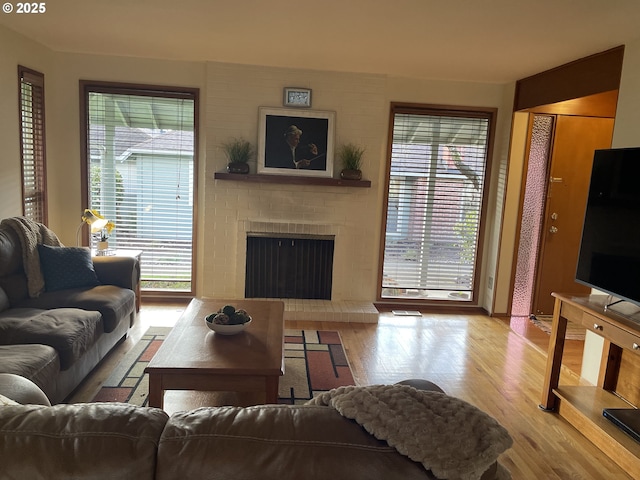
<point>66,267</point>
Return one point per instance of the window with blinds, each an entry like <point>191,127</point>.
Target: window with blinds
<point>436,187</point>
<point>140,165</point>
<point>32,144</point>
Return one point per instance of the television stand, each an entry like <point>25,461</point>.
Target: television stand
<point>582,406</point>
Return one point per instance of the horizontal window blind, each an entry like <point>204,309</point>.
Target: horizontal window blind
<point>437,176</point>
<point>141,168</point>
<point>32,144</point>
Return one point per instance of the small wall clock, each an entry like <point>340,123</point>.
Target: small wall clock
<point>297,97</point>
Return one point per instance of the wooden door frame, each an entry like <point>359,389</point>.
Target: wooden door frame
<point>523,182</point>
<point>593,75</point>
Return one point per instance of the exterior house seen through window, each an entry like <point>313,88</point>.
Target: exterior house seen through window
<point>436,188</point>
<point>140,168</point>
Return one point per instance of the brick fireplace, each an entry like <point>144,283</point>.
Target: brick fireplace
<point>305,308</point>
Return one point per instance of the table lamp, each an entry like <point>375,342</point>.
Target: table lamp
<point>94,220</point>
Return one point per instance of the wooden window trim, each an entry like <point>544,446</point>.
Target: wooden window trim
<point>425,109</point>
<point>36,79</point>
<point>86,87</point>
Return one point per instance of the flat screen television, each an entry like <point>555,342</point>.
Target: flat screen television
<point>609,258</point>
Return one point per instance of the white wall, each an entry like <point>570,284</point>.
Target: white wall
<point>14,50</point>
<point>511,218</point>
<point>626,132</point>
<point>230,97</point>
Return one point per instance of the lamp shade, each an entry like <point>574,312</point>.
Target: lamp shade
<point>95,221</point>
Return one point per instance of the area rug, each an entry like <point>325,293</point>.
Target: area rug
<point>315,362</point>
<point>574,330</point>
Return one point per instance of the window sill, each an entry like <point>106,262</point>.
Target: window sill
<point>291,179</point>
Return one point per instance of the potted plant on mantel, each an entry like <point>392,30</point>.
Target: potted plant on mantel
<point>351,157</point>
<point>238,151</point>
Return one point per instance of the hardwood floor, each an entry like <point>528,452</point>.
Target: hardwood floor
<point>486,361</point>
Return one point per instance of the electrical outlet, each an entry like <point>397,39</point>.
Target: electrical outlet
<point>490,283</point>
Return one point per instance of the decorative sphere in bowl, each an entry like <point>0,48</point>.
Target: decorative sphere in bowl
<point>228,320</point>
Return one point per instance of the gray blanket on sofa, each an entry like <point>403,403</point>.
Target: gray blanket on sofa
<point>31,234</point>
<point>450,437</point>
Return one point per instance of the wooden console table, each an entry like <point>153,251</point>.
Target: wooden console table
<point>582,406</point>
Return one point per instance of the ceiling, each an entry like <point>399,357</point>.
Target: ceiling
<point>496,41</point>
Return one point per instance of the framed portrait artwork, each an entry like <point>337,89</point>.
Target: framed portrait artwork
<point>296,142</point>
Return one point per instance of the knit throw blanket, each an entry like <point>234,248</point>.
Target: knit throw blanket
<point>31,234</point>
<point>449,436</point>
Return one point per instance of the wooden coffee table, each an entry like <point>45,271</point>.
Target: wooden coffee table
<point>193,357</point>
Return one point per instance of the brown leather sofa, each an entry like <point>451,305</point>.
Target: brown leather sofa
<point>112,440</point>
<point>56,338</point>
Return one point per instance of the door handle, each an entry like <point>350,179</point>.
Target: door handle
<point>553,229</point>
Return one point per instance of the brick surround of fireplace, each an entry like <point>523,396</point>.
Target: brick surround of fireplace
<point>306,309</point>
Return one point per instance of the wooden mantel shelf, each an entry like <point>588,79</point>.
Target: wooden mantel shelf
<point>291,179</point>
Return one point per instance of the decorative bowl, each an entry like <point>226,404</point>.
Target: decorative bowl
<point>226,329</point>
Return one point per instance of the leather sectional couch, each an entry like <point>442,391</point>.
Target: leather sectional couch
<point>268,442</point>
<point>57,336</point>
